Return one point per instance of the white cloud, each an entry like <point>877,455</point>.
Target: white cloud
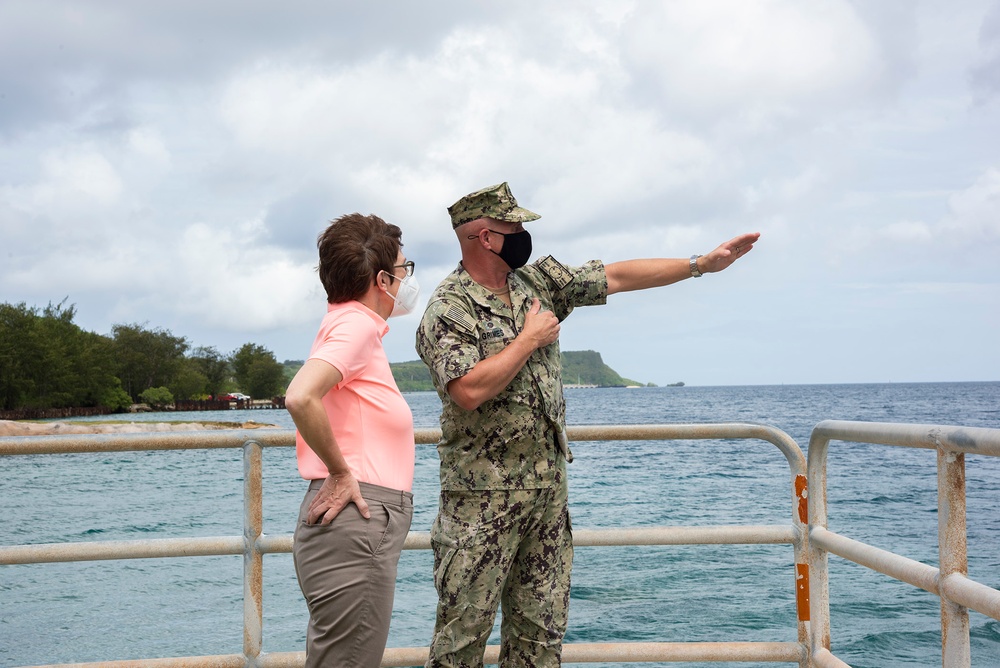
<point>75,176</point>
<point>225,278</point>
<point>906,231</point>
<point>975,212</point>
<point>751,58</point>
<point>167,165</point>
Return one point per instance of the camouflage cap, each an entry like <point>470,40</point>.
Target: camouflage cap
<point>493,202</point>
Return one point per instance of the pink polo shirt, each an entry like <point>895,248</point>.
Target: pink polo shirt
<point>371,421</point>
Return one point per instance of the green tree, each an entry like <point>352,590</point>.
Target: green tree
<point>411,376</point>
<point>291,368</point>
<point>47,361</point>
<point>115,398</point>
<point>257,372</point>
<point>19,354</point>
<point>214,366</point>
<point>146,357</point>
<point>189,382</point>
<point>92,370</point>
<point>157,397</point>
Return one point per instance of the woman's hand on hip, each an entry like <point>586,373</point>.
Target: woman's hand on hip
<point>337,491</point>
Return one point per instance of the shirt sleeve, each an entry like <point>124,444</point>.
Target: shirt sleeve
<point>570,287</point>
<point>447,342</point>
<point>346,343</point>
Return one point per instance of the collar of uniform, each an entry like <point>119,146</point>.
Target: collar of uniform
<point>485,297</point>
<point>381,325</point>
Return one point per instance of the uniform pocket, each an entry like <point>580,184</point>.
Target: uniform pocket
<point>448,538</point>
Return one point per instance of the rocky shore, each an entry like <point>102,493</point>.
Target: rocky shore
<point>25,428</point>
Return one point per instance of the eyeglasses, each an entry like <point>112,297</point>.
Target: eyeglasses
<point>408,265</point>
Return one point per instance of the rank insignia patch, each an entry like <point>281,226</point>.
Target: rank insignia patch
<point>555,271</point>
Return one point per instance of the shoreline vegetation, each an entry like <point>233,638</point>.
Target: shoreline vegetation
<point>52,369</point>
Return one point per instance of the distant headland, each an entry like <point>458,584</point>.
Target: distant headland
<point>581,368</point>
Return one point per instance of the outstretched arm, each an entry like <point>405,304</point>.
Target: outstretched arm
<point>653,273</point>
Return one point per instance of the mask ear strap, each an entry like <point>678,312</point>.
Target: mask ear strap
<point>480,236</point>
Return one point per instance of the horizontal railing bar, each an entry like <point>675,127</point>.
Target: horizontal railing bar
<point>121,549</point>
<point>415,540</point>
<point>680,651</point>
<point>216,661</point>
<point>235,438</point>
<point>398,657</point>
<point>973,595</point>
<point>971,440</point>
<point>145,441</point>
<point>235,545</point>
<point>681,431</point>
<point>888,563</point>
<point>707,535</point>
<point>822,658</point>
<point>282,544</point>
<point>637,652</point>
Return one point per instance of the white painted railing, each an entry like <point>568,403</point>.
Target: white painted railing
<point>950,582</point>
<point>806,533</point>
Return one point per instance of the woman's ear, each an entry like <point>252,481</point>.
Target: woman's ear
<point>383,280</point>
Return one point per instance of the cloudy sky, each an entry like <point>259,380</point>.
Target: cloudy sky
<point>171,163</point>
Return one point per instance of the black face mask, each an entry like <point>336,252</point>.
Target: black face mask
<point>516,248</point>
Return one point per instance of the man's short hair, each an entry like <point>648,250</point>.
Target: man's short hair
<point>352,250</point>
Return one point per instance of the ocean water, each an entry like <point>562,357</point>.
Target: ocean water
<point>93,611</point>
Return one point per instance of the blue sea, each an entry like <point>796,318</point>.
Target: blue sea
<point>93,611</point>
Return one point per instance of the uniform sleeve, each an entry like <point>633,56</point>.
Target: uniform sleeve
<point>570,287</point>
<point>347,344</point>
<point>447,342</point>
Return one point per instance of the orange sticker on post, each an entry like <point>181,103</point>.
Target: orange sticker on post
<point>802,495</point>
<point>802,591</point>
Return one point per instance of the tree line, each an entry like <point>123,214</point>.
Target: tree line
<point>47,361</point>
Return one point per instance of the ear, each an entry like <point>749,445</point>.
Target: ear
<point>382,281</point>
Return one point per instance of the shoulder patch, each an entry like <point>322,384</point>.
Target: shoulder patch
<point>459,318</point>
<point>555,271</point>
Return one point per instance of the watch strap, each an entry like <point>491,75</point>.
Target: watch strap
<point>695,272</point>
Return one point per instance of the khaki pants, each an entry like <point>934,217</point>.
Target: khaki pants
<point>505,547</point>
<point>347,573</point>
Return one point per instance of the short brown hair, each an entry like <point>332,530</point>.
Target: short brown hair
<point>352,250</point>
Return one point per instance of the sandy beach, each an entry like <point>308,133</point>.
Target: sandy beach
<point>26,428</point>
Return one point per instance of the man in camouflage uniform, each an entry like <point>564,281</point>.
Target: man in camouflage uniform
<point>490,338</point>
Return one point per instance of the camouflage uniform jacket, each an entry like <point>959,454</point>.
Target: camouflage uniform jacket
<point>510,441</point>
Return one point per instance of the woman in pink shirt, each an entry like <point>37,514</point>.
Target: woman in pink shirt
<point>354,443</point>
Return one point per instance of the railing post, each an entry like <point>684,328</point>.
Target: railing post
<point>819,594</point>
<point>253,563</point>
<point>800,520</point>
<point>953,556</point>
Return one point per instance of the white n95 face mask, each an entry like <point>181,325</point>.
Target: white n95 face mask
<point>406,296</point>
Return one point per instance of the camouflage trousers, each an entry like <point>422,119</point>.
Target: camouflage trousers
<point>501,547</point>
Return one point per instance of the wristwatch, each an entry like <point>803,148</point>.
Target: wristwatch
<point>694,266</point>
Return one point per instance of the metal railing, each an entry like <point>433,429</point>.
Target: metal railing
<point>253,544</point>
<point>950,582</point>
<point>806,532</point>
